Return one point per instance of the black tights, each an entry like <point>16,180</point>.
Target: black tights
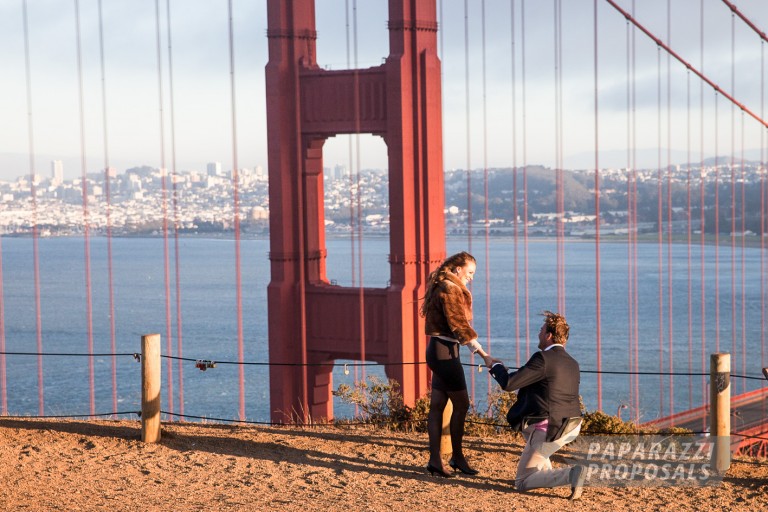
<point>460,401</point>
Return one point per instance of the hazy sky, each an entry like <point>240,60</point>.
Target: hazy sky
<point>486,131</point>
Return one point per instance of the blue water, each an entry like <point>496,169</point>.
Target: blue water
<point>209,319</point>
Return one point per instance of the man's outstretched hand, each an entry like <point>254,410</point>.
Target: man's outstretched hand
<point>490,361</point>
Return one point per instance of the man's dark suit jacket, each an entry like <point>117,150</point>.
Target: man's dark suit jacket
<point>549,388</point>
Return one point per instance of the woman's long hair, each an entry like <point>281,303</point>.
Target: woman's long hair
<point>436,276</point>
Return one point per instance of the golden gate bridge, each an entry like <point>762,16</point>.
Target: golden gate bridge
<point>645,75</point>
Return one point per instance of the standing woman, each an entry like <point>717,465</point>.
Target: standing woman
<point>447,309</point>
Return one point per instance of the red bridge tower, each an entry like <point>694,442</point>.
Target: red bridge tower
<point>310,320</point>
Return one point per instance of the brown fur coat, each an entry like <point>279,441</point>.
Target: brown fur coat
<point>449,313</point>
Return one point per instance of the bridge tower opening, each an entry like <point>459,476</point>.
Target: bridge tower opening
<point>312,322</point>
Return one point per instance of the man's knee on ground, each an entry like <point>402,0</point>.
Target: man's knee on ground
<point>520,485</point>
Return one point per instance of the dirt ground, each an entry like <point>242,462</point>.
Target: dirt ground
<point>99,465</point>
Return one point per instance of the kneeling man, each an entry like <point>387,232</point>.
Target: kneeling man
<point>547,409</point>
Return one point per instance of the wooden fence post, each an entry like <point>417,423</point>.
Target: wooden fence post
<point>720,410</point>
<point>150,388</point>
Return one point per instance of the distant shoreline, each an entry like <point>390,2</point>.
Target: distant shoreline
<point>724,241</point>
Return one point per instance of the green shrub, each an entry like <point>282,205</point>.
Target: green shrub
<point>382,403</point>
<point>598,422</point>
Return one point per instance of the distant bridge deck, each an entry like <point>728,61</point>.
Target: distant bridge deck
<point>749,417</point>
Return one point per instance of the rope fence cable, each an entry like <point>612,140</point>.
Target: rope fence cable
<point>68,416</point>
<point>137,356</point>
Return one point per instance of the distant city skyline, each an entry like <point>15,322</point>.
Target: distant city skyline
<point>481,54</point>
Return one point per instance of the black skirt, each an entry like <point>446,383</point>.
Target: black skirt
<point>443,359</point>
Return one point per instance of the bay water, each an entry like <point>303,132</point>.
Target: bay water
<point>207,302</point>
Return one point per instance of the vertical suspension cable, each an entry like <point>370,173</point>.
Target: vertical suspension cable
<point>176,215</point>
<point>733,192</point>
<point>236,213</point>
<point>688,235</point>
<point>635,281</point>
<point>598,321</point>
<point>670,304</point>
<point>108,210</point>
<point>559,196</point>
<point>630,310</point>
<point>635,294</point>
<point>468,141</point>
<point>763,210</point>
<point>352,210</point>
<point>353,230</point>
<point>702,188</point>
<point>3,379</point>
<point>164,202</point>
<point>33,193</point>
<point>717,232</point>
<point>525,185</point>
<point>743,264</point>
<point>515,223</point>
<point>86,221</point>
<point>659,230</point>
<point>441,31</point>
<point>632,220</point>
<point>469,156</point>
<point>361,289</point>
<point>485,203</point>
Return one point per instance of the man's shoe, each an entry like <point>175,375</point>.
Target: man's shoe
<point>576,478</point>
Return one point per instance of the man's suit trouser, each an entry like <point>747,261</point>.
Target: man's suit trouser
<point>534,469</point>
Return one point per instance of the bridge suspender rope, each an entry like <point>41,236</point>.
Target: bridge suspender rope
<point>702,280</point>
<point>559,197</point>
<point>236,217</point>
<point>3,379</point>
<point>763,217</point>
<point>485,203</point>
<point>175,204</point>
<point>358,193</point>
<point>660,229</point>
<point>35,251</point>
<point>743,261</point>
<point>468,170</point>
<point>352,210</point>
<point>634,289</point>
<point>468,140</point>
<point>86,221</point>
<point>598,321</point>
<point>355,188</point>
<point>525,188</point>
<point>515,194</point>
<point>360,273</point>
<point>630,309</point>
<point>164,202</point>
<point>670,302</point>
<point>108,209</point>
<point>733,197</point>
<point>717,229</point>
<point>688,233</point>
